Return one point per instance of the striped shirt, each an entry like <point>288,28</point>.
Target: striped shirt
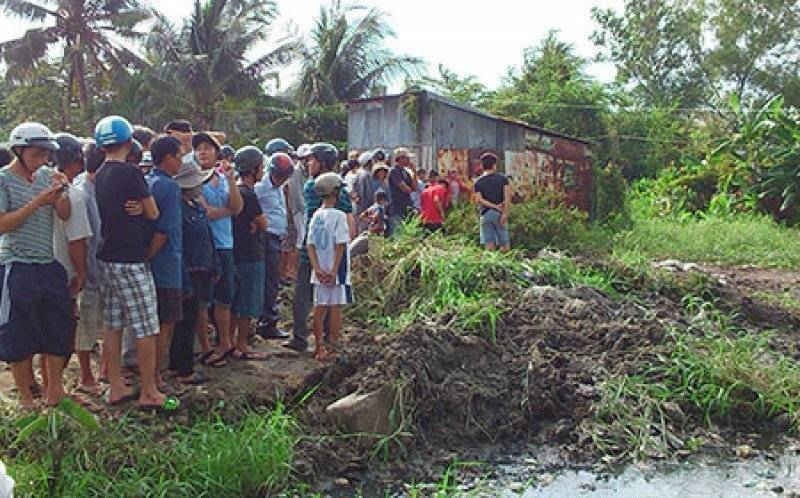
<point>31,242</point>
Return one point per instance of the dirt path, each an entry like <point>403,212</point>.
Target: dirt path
<point>260,382</point>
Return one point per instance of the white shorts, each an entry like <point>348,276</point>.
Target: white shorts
<point>332,295</point>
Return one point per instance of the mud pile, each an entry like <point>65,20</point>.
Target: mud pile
<point>553,349</point>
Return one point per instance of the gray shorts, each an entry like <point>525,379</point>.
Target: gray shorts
<point>90,319</point>
<point>492,232</point>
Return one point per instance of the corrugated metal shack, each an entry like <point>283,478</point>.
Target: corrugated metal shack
<point>447,136</point>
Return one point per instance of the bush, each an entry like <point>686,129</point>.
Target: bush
<point>543,221</point>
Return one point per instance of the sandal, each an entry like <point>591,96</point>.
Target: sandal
<point>219,361</point>
<point>249,356</point>
<point>128,397</point>
<point>197,378</point>
<point>170,404</point>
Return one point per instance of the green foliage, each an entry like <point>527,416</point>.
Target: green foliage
<point>464,89</point>
<point>346,58</point>
<point>610,204</point>
<point>713,372</point>
<point>251,457</point>
<point>552,90</point>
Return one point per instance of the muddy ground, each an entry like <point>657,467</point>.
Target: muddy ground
<point>460,396</point>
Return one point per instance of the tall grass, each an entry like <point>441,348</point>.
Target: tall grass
<point>250,457</point>
<point>735,240</point>
<point>714,374</point>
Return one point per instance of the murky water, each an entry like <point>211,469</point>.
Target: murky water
<point>761,476</point>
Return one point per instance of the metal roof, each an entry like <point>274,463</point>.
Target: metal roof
<point>472,110</point>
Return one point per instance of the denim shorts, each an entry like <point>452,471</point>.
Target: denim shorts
<point>226,285</point>
<point>492,232</point>
<point>36,312</point>
<point>248,299</point>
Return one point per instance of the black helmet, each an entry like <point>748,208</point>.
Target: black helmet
<point>278,145</point>
<point>70,150</point>
<point>326,154</point>
<point>248,159</point>
<point>227,152</point>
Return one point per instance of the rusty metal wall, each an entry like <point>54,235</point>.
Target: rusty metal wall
<point>452,137</point>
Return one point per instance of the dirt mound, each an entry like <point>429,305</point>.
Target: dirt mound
<point>553,348</point>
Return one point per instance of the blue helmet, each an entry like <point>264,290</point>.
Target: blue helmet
<point>112,130</point>
<point>278,145</point>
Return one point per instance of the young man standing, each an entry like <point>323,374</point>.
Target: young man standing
<point>402,182</point>
<point>322,159</point>
<point>129,296</point>
<point>71,239</point>
<point>493,192</point>
<point>223,201</point>
<point>165,248</point>
<point>35,308</point>
<point>273,204</point>
<point>249,232</point>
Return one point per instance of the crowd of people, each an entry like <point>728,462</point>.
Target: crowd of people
<point>172,247</point>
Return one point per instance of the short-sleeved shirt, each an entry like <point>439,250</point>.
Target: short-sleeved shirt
<point>313,202</point>
<point>77,227</point>
<point>364,189</point>
<point>166,264</point>
<point>401,201</point>
<point>273,205</point>
<point>198,246</point>
<point>491,186</point>
<point>248,246</point>
<point>125,237</point>
<point>328,228</point>
<point>31,242</point>
<point>86,186</point>
<point>218,196</point>
<point>429,212</point>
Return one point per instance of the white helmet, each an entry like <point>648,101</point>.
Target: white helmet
<point>32,135</point>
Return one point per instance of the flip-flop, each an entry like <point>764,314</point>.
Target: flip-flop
<point>249,356</point>
<point>89,391</point>
<point>203,357</point>
<point>170,404</point>
<point>128,397</point>
<point>196,379</point>
<point>220,361</point>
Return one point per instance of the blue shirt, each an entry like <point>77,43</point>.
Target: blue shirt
<point>198,249</point>
<point>166,264</point>
<point>273,205</point>
<point>93,277</point>
<point>219,196</point>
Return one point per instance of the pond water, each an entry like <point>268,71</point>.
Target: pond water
<point>765,475</point>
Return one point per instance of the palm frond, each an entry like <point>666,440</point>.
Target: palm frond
<point>31,11</point>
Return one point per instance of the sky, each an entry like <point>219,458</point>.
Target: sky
<point>482,38</point>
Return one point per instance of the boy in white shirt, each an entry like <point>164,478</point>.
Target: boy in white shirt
<point>328,241</point>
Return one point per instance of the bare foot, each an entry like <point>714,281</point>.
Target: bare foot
<point>321,354</point>
<point>115,398</point>
<point>152,400</point>
<point>91,388</point>
<point>27,405</point>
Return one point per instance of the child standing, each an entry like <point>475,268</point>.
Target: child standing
<point>377,214</point>
<point>328,242</point>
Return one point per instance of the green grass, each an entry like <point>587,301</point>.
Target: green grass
<point>786,299</point>
<point>714,373</point>
<point>212,458</point>
<point>731,240</point>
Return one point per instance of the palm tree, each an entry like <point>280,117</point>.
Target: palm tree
<point>196,68</point>
<point>346,58</point>
<point>92,33</point>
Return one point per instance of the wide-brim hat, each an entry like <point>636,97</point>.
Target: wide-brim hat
<point>190,175</point>
<point>380,166</point>
<point>206,137</point>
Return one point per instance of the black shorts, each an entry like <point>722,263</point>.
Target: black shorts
<point>170,305</point>
<point>226,285</point>
<point>202,287</point>
<point>36,315</point>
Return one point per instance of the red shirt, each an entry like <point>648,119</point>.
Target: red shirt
<point>428,211</point>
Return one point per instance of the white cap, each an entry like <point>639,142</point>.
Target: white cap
<point>32,135</point>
